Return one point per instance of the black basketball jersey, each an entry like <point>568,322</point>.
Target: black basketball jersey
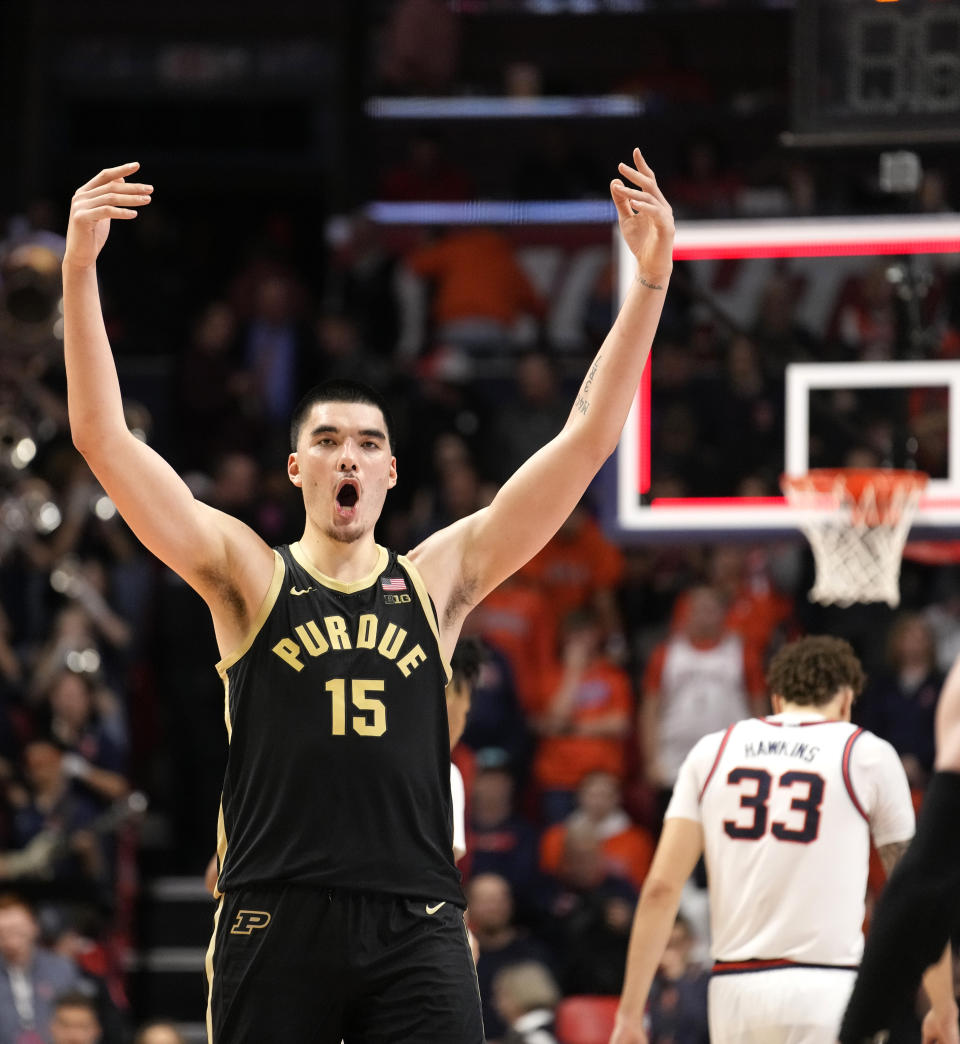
<point>338,772</point>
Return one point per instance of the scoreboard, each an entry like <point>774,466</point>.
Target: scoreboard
<point>877,71</point>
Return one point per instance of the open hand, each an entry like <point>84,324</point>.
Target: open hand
<point>646,220</point>
<point>108,195</point>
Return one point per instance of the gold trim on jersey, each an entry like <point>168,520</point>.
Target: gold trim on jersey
<point>262,613</point>
<point>421,588</point>
<point>298,552</point>
<point>208,964</point>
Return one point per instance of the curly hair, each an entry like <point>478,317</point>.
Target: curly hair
<point>812,670</point>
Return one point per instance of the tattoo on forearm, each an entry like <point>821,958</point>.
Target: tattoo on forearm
<point>583,403</point>
<point>891,854</point>
<point>649,286</point>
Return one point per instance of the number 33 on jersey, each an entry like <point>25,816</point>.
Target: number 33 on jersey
<point>788,805</point>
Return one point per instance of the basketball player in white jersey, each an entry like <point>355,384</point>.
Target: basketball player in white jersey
<point>783,808</point>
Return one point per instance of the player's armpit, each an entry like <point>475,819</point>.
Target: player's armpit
<point>891,854</point>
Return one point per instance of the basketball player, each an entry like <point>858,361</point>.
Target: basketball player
<point>340,909</point>
<point>784,808</point>
<point>919,910</point>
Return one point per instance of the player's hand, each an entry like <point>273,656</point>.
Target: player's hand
<point>628,1031</point>
<point>109,195</point>
<point>940,1026</point>
<point>646,220</point>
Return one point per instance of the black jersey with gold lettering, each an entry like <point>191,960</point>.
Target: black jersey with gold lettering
<point>339,767</point>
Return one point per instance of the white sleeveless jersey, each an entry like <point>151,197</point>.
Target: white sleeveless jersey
<point>787,805</point>
<point>701,690</point>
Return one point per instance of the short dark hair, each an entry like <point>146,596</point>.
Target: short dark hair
<point>338,391</point>
<point>810,671</point>
<point>467,658</point>
<point>76,999</point>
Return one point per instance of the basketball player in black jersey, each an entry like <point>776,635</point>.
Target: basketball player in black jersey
<point>918,913</point>
<point>340,908</point>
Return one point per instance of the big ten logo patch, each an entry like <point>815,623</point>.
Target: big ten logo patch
<point>249,921</point>
<point>396,599</point>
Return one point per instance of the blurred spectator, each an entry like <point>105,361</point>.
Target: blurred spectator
<point>426,173</point>
<point>704,187</point>
<point>30,977</point>
<point>52,826</point>
<point>677,1008</point>
<point>496,720</point>
<point>755,609</point>
<point>865,320</point>
<point>531,417</point>
<point>526,996</point>
<point>75,1020</point>
<point>480,290</point>
<point>420,46</point>
<point>503,842</point>
<point>83,719</point>
<point>627,848</point>
<point>589,916</point>
<point>490,916</point>
<point>777,332</point>
<point>580,568</point>
<point>211,415</point>
<point>900,705</point>
<point>361,283</point>
<point>278,352</point>
<point>584,720</point>
<point>516,619</point>
<point>699,681</point>
<point>159,1033</point>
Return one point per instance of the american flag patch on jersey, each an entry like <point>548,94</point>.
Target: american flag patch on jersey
<point>393,583</point>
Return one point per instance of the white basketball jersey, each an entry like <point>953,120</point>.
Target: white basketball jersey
<point>787,805</point>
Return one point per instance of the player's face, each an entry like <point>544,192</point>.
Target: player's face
<point>344,466</point>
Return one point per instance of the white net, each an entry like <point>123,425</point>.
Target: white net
<point>857,524</point>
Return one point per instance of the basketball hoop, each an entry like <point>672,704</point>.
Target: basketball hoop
<point>857,521</point>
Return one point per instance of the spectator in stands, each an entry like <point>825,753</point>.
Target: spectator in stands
<point>699,681</point>
<point>536,411</point>
<point>51,825</point>
<point>480,290</point>
<point>80,718</point>
<point>677,1007</point>
<point>754,607</point>
<point>581,567</point>
<point>503,841</point>
<point>585,718</point>
<point>426,173</point>
<point>526,996</point>
<point>75,1020</point>
<point>159,1033</point>
<point>496,720</point>
<point>516,619</point>
<point>627,848</point>
<point>421,46</point>
<point>900,705</point>
<point>30,977</point>
<point>501,943</point>
<point>590,914</point>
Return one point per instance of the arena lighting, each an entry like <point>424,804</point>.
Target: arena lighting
<point>496,107</point>
<point>495,212</point>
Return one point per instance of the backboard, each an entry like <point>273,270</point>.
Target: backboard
<point>872,376</point>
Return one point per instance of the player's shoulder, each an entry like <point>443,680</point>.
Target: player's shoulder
<point>869,748</point>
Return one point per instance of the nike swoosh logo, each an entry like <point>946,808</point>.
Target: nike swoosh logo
<point>297,591</point>
<point>433,909</point>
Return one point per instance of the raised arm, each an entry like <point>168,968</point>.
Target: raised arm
<point>465,562</point>
<point>217,555</point>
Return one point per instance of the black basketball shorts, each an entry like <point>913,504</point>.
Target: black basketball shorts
<point>297,965</point>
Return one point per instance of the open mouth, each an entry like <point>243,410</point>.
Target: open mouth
<point>347,497</point>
